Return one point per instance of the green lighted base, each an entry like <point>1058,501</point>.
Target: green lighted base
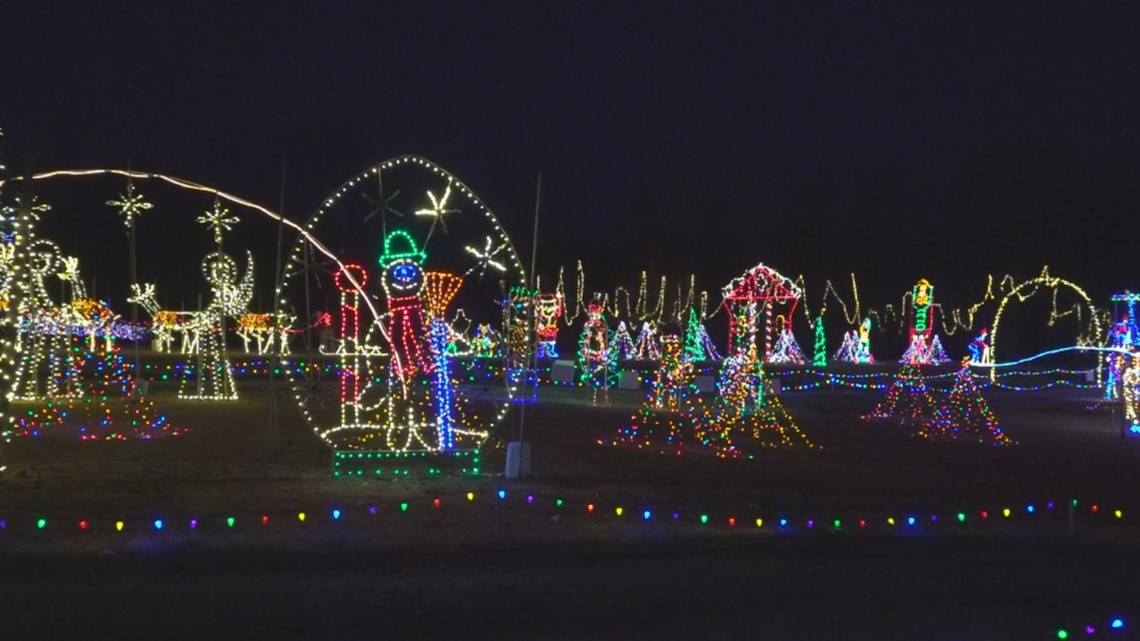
<point>381,464</point>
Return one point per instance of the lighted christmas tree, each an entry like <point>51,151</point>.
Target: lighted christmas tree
<point>820,359</point>
<point>108,404</point>
<point>786,351</point>
<point>623,342</point>
<point>670,413</point>
<point>646,347</point>
<point>747,415</point>
<point>698,346</point>
<point>965,416</point>
<point>920,352</point>
<point>908,400</point>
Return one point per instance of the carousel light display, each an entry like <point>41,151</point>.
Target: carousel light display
<point>908,400</point>
<point>965,416</point>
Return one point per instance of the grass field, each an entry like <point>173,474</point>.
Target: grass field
<point>236,461</point>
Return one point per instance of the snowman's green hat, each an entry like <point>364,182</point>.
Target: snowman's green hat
<point>398,245</point>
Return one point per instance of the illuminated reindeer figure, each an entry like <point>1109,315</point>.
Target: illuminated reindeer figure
<point>268,335</point>
<point>93,317</point>
<point>164,323</point>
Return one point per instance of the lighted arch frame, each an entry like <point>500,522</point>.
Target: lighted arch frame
<point>370,174</point>
<point>192,186</point>
<point>1049,282</point>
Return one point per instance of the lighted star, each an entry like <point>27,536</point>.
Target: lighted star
<point>131,205</point>
<point>438,208</point>
<point>216,219</point>
<point>10,213</point>
<point>486,258</point>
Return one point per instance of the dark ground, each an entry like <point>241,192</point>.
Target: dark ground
<point>474,569</point>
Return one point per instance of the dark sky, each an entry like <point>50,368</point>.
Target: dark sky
<point>947,142</point>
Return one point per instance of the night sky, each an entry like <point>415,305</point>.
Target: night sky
<point>946,142</point>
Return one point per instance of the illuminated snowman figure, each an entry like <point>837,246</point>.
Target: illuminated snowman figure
<point>423,407</point>
<point>403,281</point>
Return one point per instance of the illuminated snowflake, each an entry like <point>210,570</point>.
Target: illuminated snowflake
<point>486,258</point>
<point>131,205</point>
<point>216,219</point>
<point>438,208</point>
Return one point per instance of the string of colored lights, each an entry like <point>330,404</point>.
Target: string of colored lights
<point>1068,514</point>
<point>670,414</point>
<point>965,415</point>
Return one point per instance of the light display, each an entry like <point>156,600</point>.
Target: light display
<point>230,296</point>
<point>645,347</point>
<point>165,324</point>
<point>965,416</point>
<point>670,413</point>
<point>924,347</point>
<point>746,415</point>
<point>486,343</point>
<point>698,345</point>
<point>547,311</point>
<point>760,289</point>
<point>908,400</point>
<point>42,340</point>
<point>819,352</point>
<point>106,405</point>
<point>1090,332</point>
<point>921,352</point>
<point>1130,395</point>
<point>979,350</point>
<point>131,205</point>
<point>518,311</point>
<point>1124,337</point>
<point>408,369</point>
<point>623,342</point>
<point>597,360</point>
<point>856,347</point>
<point>268,334</point>
<point>786,351</point>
